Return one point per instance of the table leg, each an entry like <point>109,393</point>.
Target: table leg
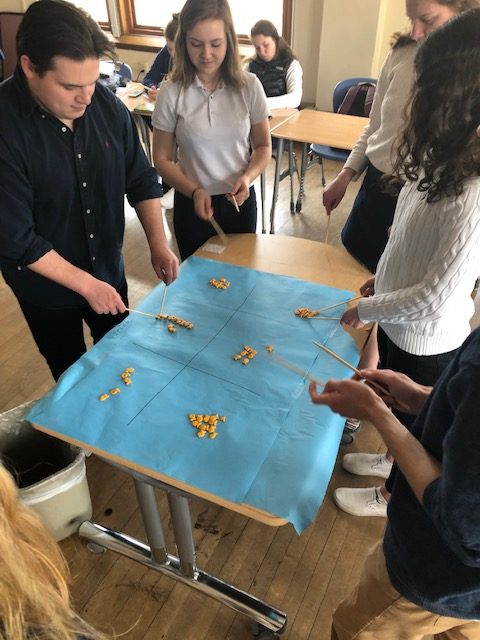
<point>262,196</point>
<point>151,520</point>
<point>276,182</point>
<point>290,171</point>
<point>182,529</point>
<point>302,178</point>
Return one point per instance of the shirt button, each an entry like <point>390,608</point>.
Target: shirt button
<point>84,184</point>
<point>19,268</point>
<point>64,129</point>
<point>93,258</point>
<point>43,116</point>
<point>79,155</point>
<point>88,210</point>
<point>91,235</point>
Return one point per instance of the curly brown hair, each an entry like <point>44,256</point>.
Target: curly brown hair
<point>439,145</point>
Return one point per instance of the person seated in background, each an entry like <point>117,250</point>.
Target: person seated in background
<point>34,594</point>
<point>163,61</point>
<point>276,66</point>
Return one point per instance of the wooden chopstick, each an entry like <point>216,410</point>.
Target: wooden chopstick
<point>283,362</point>
<point>339,304</point>
<point>235,204</point>
<point>328,228</point>
<point>163,299</point>
<point>351,367</point>
<point>142,313</point>
<point>324,318</point>
<point>220,232</point>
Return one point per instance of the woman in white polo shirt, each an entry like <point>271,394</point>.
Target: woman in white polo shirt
<point>216,116</point>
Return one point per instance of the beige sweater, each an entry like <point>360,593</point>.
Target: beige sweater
<point>378,141</point>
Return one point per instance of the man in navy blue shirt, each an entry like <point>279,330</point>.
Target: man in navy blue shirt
<point>69,153</point>
<point>425,578</point>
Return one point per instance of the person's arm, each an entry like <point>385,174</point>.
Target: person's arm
<point>164,261</point>
<point>102,297</point>
<point>163,159</point>
<point>159,68</point>
<point>261,151</point>
<point>294,82</point>
<point>351,398</point>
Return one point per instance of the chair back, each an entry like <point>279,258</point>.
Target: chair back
<point>343,86</point>
<point>124,70</point>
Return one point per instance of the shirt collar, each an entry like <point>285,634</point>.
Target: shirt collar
<point>27,104</point>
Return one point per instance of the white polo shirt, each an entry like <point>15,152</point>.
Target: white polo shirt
<point>212,129</point>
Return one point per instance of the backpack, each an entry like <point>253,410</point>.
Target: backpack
<point>358,100</point>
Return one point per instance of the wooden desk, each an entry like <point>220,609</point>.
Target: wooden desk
<point>275,254</point>
<point>318,127</point>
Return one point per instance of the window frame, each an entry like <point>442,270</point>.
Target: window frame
<point>129,28</point>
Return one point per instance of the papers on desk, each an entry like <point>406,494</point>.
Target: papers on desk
<point>276,450</point>
<point>145,107</point>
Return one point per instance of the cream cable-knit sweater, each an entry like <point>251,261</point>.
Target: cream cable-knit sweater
<point>426,275</point>
<point>379,138</point>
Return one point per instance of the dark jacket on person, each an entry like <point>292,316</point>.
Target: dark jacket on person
<point>272,75</point>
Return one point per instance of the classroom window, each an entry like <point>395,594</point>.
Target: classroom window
<point>144,17</point>
<point>97,9</point>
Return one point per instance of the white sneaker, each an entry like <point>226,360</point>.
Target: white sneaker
<point>367,464</point>
<point>361,502</point>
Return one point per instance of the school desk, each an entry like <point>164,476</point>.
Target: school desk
<point>318,127</point>
<point>274,454</point>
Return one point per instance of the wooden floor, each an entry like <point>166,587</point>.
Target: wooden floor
<point>304,575</point>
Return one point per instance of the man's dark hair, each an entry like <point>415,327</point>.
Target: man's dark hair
<point>56,28</point>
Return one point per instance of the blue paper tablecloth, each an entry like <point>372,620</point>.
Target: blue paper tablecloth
<point>276,450</point>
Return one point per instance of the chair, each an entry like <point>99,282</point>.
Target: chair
<point>321,151</point>
<point>124,70</point>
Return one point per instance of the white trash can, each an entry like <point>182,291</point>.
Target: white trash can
<point>50,473</point>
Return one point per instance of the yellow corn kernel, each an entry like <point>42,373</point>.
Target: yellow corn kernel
<point>212,435</point>
<point>125,374</point>
<point>103,397</point>
<point>129,370</point>
<point>114,391</point>
<point>269,348</point>
<point>245,361</point>
<point>201,433</point>
<point>222,418</point>
<point>127,381</point>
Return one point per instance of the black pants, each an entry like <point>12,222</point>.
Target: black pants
<point>58,333</point>
<point>365,233</point>
<point>191,231</point>
<point>422,369</point>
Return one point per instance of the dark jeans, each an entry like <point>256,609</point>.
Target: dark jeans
<point>422,369</point>
<point>191,231</point>
<point>365,233</point>
<point>58,333</point>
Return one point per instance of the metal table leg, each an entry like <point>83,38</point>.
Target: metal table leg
<point>182,568</point>
<point>276,183</point>
<point>302,178</point>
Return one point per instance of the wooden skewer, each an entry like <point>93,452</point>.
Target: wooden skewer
<point>283,362</point>
<point>328,228</point>
<point>352,368</point>
<point>220,232</point>
<point>142,313</point>
<point>163,299</point>
<point>325,318</point>
<point>235,204</point>
<point>338,304</point>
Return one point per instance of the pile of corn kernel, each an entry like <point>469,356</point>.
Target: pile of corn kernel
<point>173,320</point>
<point>305,312</point>
<point>205,423</point>
<point>245,355</point>
<point>221,283</point>
<point>127,379</point>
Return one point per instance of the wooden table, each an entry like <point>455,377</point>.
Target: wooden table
<point>317,127</point>
<point>276,254</point>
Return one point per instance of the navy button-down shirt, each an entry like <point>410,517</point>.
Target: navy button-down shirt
<point>64,190</point>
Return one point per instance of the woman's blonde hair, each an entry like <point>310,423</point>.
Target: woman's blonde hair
<point>34,594</point>
<point>195,11</point>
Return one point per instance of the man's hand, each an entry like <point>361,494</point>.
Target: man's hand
<point>403,393</point>
<point>350,398</point>
<point>102,297</point>
<point>165,264</point>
